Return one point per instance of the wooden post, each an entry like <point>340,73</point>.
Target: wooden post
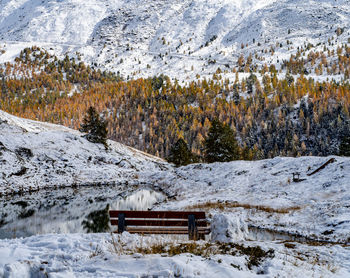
<point>201,236</point>
<point>121,222</point>
<point>192,229</point>
<point>296,176</point>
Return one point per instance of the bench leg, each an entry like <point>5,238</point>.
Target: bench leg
<point>192,229</point>
<point>121,222</point>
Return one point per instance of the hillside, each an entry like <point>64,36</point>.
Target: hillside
<point>178,38</point>
<point>38,155</point>
<point>264,195</point>
<point>279,115</point>
<point>279,80</point>
<point>294,227</point>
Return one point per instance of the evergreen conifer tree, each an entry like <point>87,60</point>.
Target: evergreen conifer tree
<point>250,82</point>
<point>220,145</point>
<point>344,148</point>
<point>95,127</point>
<point>180,154</point>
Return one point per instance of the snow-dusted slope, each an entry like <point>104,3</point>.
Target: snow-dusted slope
<point>306,224</point>
<point>35,155</point>
<point>178,38</point>
<point>47,168</point>
<point>39,155</point>
<point>316,207</point>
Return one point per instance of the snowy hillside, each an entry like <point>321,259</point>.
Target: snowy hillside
<point>36,155</point>
<point>269,224</point>
<point>178,38</point>
<point>264,195</point>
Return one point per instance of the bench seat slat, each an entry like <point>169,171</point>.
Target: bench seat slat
<point>133,222</point>
<point>158,214</point>
<point>159,232</point>
<point>164,231</point>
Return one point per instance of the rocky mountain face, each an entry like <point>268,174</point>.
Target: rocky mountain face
<point>178,38</point>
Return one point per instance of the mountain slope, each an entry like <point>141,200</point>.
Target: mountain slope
<point>37,155</point>
<point>257,202</point>
<point>180,38</point>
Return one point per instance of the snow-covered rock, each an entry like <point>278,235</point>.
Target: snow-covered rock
<point>228,228</point>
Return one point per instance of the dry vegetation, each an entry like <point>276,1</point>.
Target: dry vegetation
<point>293,254</point>
<point>255,254</point>
<point>228,205</point>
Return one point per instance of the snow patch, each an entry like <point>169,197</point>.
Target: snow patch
<point>228,228</point>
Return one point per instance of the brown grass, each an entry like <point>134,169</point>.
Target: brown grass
<point>227,205</point>
<point>255,254</point>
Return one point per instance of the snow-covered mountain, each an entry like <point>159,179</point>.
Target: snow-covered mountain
<point>177,38</point>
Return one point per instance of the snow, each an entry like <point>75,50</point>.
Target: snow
<point>51,178</point>
<point>92,255</point>
<point>251,203</point>
<point>225,228</point>
<point>62,157</point>
<point>104,32</point>
<point>320,200</point>
<point>95,255</point>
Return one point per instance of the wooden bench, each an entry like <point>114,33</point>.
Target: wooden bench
<point>193,223</point>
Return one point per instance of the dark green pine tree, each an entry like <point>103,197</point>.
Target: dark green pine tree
<point>95,127</point>
<point>181,155</point>
<point>220,145</point>
<point>250,82</point>
<point>344,148</point>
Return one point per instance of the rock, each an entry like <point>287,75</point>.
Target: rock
<point>226,228</point>
<point>137,255</point>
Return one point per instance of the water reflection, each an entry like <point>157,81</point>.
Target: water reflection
<point>64,210</point>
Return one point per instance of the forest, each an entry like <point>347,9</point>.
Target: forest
<point>272,112</point>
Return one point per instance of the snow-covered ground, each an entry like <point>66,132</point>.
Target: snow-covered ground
<point>104,255</point>
<point>181,39</point>
<point>317,206</point>
<point>306,224</point>
<point>52,179</point>
<point>35,155</point>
